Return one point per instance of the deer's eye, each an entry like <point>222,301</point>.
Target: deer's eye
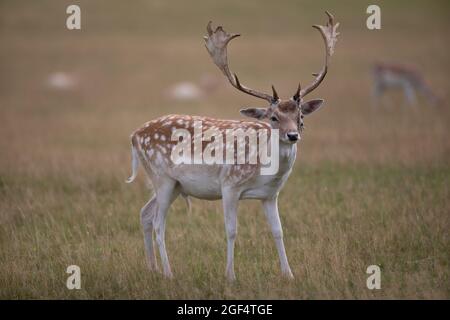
<point>302,127</point>
<point>275,119</point>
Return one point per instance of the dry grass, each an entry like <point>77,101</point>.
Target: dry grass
<point>371,186</point>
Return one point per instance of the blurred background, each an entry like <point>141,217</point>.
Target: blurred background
<point>126,57</point>
<point>69,99</point>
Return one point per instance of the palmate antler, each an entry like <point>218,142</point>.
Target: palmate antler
<point>329,34</point>
<point>216,44</point>
<point>217,41</point>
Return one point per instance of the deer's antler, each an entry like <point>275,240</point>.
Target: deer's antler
<point>329,35</point>
<point>216,44</point>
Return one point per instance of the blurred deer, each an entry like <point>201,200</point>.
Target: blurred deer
<point>395,76</point>
<point>153,145</point>
<point>189,90</point>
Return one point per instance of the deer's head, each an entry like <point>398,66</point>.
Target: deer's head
<point>285,115</point>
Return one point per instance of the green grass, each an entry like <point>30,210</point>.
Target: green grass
<point>337,221</point>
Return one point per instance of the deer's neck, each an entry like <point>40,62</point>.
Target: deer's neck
<point>288,153</point>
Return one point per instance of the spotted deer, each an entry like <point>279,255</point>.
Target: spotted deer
<point>387,76</point>
<point>153,144</point>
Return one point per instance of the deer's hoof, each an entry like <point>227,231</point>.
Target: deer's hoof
<point>231,277</point>
<point>288,274</point>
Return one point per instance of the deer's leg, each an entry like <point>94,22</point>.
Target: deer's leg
<point>273,218</point>
<point>165,195</point>
<point>426,91</point>
<point>148,214</point>
<point>230,201</point>
<point>377,92</point>
<point>410,95</point>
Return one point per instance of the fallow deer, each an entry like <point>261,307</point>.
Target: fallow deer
<point>153,144</point>
<point>388,76</point>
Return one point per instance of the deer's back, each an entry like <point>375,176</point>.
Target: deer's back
<point>154,140</point>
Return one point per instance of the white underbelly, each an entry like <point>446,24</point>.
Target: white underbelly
<point>200,181</point>
<point>207,181</point>
<point>205,184</point>
<point>207,191</point>
<point>393,80</point>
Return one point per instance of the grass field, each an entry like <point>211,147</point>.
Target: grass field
<point>370,186</point>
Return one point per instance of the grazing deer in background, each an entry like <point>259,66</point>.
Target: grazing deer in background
<point>189,90</point>
<point>153,144</point>
<point>395,76</point>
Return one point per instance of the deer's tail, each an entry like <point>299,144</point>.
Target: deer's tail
<point>134,160</point>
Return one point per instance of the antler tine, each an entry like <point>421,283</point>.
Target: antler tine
<point>274,94</point>
<point>329,34</point>
<point>296,96</point>
<point>216,44</point>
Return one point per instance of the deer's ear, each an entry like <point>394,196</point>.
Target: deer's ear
<point>311,106</point>
<point>257,113</point>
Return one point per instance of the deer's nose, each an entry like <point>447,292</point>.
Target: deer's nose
<point>292,136</point>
